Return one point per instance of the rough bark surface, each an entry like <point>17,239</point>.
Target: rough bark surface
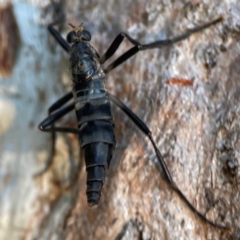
<point>196,127</point>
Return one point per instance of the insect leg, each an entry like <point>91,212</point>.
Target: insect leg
<point>139,47</point>
<point>166,173</point>
<point>58,37</point>
<point>58,104</point>
<point>54,117</point>
<point>115,45</point>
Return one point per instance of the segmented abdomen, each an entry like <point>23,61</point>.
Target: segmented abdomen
<point>96,133</point>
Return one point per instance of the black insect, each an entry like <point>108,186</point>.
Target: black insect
<point>93,110</point>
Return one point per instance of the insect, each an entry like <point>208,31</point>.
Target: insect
<point>92,106</point>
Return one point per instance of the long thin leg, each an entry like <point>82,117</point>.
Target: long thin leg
<point>51,119</point>
<point>167,175</point>
<point>58,37</point>
<point>139,47</point>
<point>54,117</point>
<point>60,102</point>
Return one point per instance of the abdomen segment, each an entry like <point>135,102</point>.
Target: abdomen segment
<point>96,133</point>
<point>97,157</point>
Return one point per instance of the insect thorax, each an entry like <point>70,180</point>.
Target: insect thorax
<point>84,62</point>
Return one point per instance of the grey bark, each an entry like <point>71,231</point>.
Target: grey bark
<point>196,127</point>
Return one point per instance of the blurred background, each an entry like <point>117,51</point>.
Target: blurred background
<point>188,94</point>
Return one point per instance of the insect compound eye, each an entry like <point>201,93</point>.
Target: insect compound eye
<point>86,35</point>
<point>71,37</point>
